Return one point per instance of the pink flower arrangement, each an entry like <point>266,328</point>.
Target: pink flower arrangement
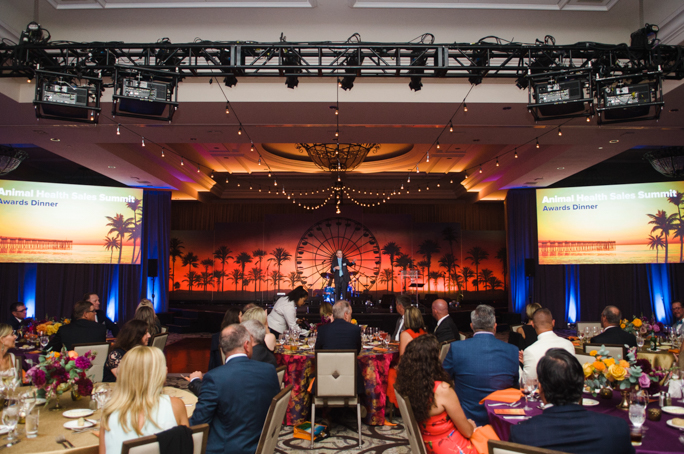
<point>59,372</point>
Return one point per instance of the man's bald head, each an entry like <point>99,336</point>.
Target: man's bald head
<point>542,320</point>
<point>611,316</point>
<point>440,308</point>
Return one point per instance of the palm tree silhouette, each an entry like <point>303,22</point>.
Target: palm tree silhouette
<point>502,256</point>
<point>206,263</point>
<point>207,278</point>
<point>280,256</point>
<point>404,261</point>
<point>175,252</point>
<point>219,275</point>
<point>121,227</point>
<point>423,264</point>
<point>427,248</point>
<point>222,254</point>
<point>190,260</point>
<point>387,276</point>
<point>259,254</point>
<point>495,283</point>
<point>243,259</point>
<point>110,245</point>
<point>135,205</point>
<point>392,249</point>
<point>656,242</point>
<point>235,276</point>
<point>484,276</point>
<point>256,275</point>
<point>192,279</point>
<point>276,277</point>
<point>448,261</point>
<point>467,273</point>
<point>434,276</point>
<point>676,200</point>
<point>475,256</point>
<point>293,278</point>
<point>661,221</point>
<point>449,235</point>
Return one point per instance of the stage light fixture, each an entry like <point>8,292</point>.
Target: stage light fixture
<point>290,58</point>
<point>58,97</point>
<point>230,81</point>
<point>561,94</point>
<point>621,101</point>
<point>478,59</point>
<point>149,94</point>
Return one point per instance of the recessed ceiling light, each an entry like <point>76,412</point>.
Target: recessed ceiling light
<point>560,168</point>
<point>55,139</point>
<point>507,108</point>
<point>111,167</point>
<point>614,141</point>
<point>476,140</point>
<point>674,110</point>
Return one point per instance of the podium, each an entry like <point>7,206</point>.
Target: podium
<point>413,276</point>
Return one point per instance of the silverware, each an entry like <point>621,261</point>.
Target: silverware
<point>12,443</point>
<point>63,441</point>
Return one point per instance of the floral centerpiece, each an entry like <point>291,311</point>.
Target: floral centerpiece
<point>58,372</point>
<point>48,326</point>
<point>642,326</point>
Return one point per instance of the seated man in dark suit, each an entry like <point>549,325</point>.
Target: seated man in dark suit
<point>17,320</point>
<point>403,302</point>
<point>481,365</point>
<point>612,333</point>
<point>341,334</point>
<point>235,397</point>
<point>565,425</point>
<point>82,330</point>
<point>100,316</point>
<point>446,328</point>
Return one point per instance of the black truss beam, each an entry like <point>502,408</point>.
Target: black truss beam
<point>249,59</point>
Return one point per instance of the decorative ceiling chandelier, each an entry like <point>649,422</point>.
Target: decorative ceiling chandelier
<point>669,161</point>
<point>10,158</point>
<point>337,157</point>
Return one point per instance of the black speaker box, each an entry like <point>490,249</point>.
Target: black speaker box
<point>152,268</point>
<point>529,267</point>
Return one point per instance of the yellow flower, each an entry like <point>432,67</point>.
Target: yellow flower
<point>637,323</point>
<point>354,321</point>
<point>618,373</point>
<point>624,364</point>
<point>593,352</point>
<point>588,370</point>
<point>599,366</point>
<point>67,321</point>
<point>622,325</point>
<point>609,361</point>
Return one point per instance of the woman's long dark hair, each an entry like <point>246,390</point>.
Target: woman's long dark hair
<point>417,373</point>
<point>131,334</point>
<point>297,294</point>
<point>231,317</point>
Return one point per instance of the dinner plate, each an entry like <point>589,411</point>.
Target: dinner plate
<point>40,401</point>
<point>78,413</point>
<point>671,424</point>
<point>26,347</point>
<point>73,425</point>
<point>4,430</point>
<point>671,409</point>
<point>368,347</point>
<point>589,402</point>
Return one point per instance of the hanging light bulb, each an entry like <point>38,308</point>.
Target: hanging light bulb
<point>227,109</point>
<point>402,186</point>
<point>227,181</point>
<point>212,175</point>
<point>269,174</point>
<point>417,169</point>
<point>480,169</point>
<point>259,160</point>
<point>497,161</point>
<point>198,168</point>
<point>275,182</point>
<point>182,163</point>
<point>240,130</point>
<point>451,127</point>
<point>560,133</point>
<point>337,133</point>
<point>451,181</point>
<point>515,154</point>
<point>427,159</point>
<point>337,110</point>
<point>438,146</point>
<point>409,179</point>
<point>118,129</point>
<point>251,147</point>
<point>143,141</point>
<point>238,185</point>
<point>438,185</point>
<point>162,153</point>
<point>537,143</point>
<point>588,119</point>
<point>465,107</point>
<point>466,175</point>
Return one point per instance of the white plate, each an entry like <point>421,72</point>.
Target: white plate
<point>368,347</point>
<point>73,425</point>
<point>589,402</point>
<point>673,410</point>
<point>305,347</point>
<point>4,430</point>
<point>26,347</point>
<point>40,401</point>
<point>78,413</point>
<point>669,423</point>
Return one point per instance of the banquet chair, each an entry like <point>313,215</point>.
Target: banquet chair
<point>582,325</point>
<point>583,359</point>
<point>462,336</point>
<point>101,350</point>
<point>159,341</point>
<point>336,383</point>
<point>506,447</point>
<point>410,424</point>
<point>274,422</point>
<point>444,350</point>
<point>149,444</point>
<point>280,371</point>
<point>86,450</point>
<point>164,329</point>
<point>614,350</point>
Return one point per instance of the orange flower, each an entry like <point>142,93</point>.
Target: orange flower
<point>624,364</point>
<point>609,361</point>
<point>593,352</point>
<point>617,372</point>
<point>623,326</point>
<point>599,366</point>
<point>637,322</point>
<point>72,354</point>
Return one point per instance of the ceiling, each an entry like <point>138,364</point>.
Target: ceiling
<point>405,123</point>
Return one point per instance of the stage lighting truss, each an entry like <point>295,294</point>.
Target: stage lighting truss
<point>145,93</point>
<point>68,97</point>
<point>629,97</point>
<point>560,94</point>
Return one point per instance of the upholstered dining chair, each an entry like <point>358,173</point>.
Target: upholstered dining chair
<point>280,371</point>
<point>614,350</point>
<point>274,422</point>
<point>159,340</point>
<point>101,350</point>
<point>149,444</point>
<point>410,424</point>
<point>336,383</point>
<point>583,359</point>
<point>444,350</point>
<point>462,336</point>
<point>506,447</point>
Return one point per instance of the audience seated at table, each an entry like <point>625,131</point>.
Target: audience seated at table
<point>430,390</point>
<point>233,316</point>
<point>678,317</point>
<point>235,397</point>
<point>341,334</point>
<point>7,359</point>
<point>100,316</point>
<point>283,316</point>
<point>528,335</point>
<point>414,326</point>
<point>403,302</point>
<point>613,334</point>
<point>157,323</point>
<point>137,407</point>
<point>18,318</point>
<point>83,329</point>
<point>546,339</point>
<point>446,329</point>
<point>326,313</point>
<point>565,425</point>
<point>481,365</point>
<point>133,333</point>
<point>259,314</point>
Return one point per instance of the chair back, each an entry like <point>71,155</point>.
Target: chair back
<point>582,325</point>
<point>87,450</point>
<point>583,359</point>
<point>614,350</point>
<point>164,329</point>
<point>506,447</point>
<point>101,350</point>
<point>274,421</point>
<point>336,373</point>
<point>159,340</point>
<point>280,371</point>
<point>410,424</point>
<point>462,336</point>
<point>150,445</point>
<point>444,350</point>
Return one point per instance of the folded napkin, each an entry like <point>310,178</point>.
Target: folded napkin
<point>674,350</point>
<point>576,343</point>
<point>572,338</point>
<point>504,395</point>
<point>380,349</point>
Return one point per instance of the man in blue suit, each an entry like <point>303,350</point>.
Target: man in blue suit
<point>341,334</point>
<point>481,365</point>
<point>235,397</point>
<point>340,271</point>
<point>565,425</point>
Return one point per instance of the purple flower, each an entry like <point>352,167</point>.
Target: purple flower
<point>656,328</point>
<point>37,376</point>
<point>643,329</point>
<point>85,386</point>
<point>82,363</point>
<point>644,381</point>
<point>644,364</point>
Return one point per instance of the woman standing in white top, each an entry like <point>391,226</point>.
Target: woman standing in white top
<point>137,407</point>
<point>7,359</point>
<point>283,316</point>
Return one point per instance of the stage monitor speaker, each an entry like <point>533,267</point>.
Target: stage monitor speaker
<point>152,268</point>
<point>529,267</point>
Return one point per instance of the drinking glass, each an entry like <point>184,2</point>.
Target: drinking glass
<point>44,340</point>
<point>637,408</point>
<point>10,418</point>
<point>32,420</point>
<point>311,341</point>
<point>525,391</point>
<point>640,341</point>
<point>281,339</point>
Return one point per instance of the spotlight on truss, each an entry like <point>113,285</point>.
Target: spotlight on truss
<point>145,93</point>
<point>560,94</point>
<point>620,99</point>
<point>62,96</point>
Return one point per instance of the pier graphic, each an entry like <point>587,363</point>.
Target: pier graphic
<point>563,247</point>
<point>9,245</point>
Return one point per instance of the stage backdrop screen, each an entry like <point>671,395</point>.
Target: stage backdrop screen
<point>636,223</point>
<point>61,223</point>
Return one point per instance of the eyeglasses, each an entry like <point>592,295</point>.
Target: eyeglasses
<point>22,310</point>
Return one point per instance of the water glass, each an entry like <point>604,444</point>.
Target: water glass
<point>32,420</point>
<point>640,341</point>
<point>44,340</point>
<point>311,341</point>
<point>637,408</point>
<point>10,418</point>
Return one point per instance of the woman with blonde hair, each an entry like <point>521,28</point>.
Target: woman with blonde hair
<point>146,314</point>
<point>8,362</point>
<point>326,313</point>
<point>157,324</point>
<point>415,326</point>
<point>137,407</point>
<point>259,314</point>
<point>529,335</point>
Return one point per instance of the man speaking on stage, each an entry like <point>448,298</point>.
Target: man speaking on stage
<point>341,274</point>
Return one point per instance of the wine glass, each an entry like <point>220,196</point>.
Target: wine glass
<point>44,340</point>
<point>311,341</point>
<point>637,408</point>
<point>640,341</point>
<point>10,418</point>
<point>525,391</point>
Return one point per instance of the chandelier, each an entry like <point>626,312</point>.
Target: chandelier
<point>669,161</point>
<point>337,157</point>
<point>10,158</point>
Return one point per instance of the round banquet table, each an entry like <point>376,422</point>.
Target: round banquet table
<point>662,358</point>
<point>300,370</point>
<point>51,424</point>
<point>658,439</point>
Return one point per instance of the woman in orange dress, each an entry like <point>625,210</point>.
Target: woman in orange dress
<point>415,326</point>
<point>422,379</point>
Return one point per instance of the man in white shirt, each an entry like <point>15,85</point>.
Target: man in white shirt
<point>403,302</point>
<point>543,323</point>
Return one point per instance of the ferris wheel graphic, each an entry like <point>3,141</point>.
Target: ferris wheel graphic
<point>317,247</point>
